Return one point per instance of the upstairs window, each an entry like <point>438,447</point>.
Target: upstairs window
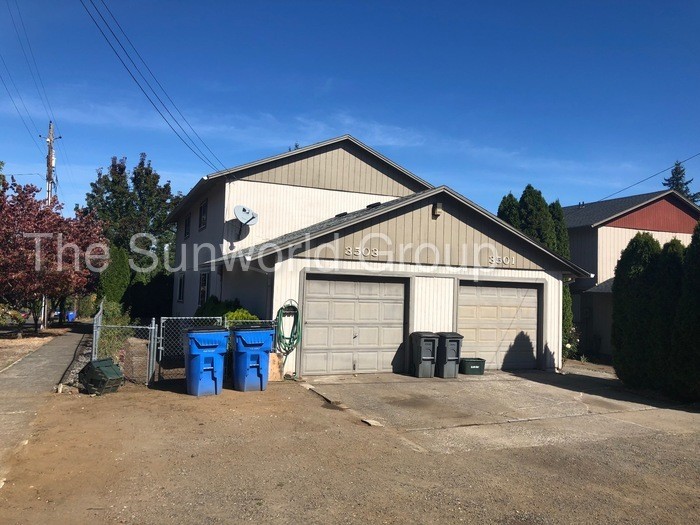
<point>203,288</point>
<point>203,214</point>
<point>181,289</point>
<point>187,225</point>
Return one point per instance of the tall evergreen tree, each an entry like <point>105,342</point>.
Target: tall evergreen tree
<point>2,175</point>
<point>685,341</point>
<point>535,220</point>
<point>676,181</point>
<point>561,232</point>
<point>509,210</point>
<point>632,295</point>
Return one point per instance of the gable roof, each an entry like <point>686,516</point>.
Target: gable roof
<point>596,213</point>
<point>232,172</point>
<point>341,221</point>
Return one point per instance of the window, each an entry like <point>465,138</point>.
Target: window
<point>181,289</point>
<point>187,225</point>
<point>203,214</point>
<point>203,288</point>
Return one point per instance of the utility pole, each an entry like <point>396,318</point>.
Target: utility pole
<point>50,164</point>
<point>50,168</point>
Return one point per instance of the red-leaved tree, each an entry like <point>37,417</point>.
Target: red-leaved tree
<point>43,253</point>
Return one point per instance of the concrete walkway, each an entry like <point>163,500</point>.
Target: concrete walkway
<point>26,384</point>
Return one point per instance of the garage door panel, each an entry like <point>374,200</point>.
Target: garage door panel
<point>340,362</point>
<point>341,336</point>
<point>343,311</point>
<point>369,311</point>
<point>315,363</point>
<point>316,336</point>
<point>368,336</point>
<point>358,325</point>
<point>499,324</point>
<point>367,362</point>
<point>392,312</point>
<point>317,310</point>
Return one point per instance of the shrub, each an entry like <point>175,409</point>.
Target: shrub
<point>633,310</point>
<point>115,279</point>
<point>241,314</point>
<point>213,307</point>
<point>684,358</point>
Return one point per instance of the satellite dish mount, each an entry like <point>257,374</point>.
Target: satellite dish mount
<point>246,217</point>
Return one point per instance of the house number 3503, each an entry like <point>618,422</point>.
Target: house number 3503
<point>357,251</point>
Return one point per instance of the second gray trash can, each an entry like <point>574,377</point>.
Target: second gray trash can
<point>424,347</point>
<point>449,350</point>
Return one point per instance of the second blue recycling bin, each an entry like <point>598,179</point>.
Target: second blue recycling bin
<point>251,358</point>
<point>205,348</point>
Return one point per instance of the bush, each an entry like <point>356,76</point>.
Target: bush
<point>633,310</point>
<point>87,306</point>
<point>240,314</point>
<point>684,356</point>
<point>115,279</point>
<point>150,298</point>
<point>213,307</point>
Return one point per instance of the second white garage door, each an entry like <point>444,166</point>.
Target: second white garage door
<point>499,324</point>
<point>351,326</point>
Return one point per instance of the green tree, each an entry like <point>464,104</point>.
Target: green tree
<point>115,279</point>
<point>535,220</point>
<point>632,311</point>
<point>684,360</point>
<point>509,210</point>
<point>667,285</point>
<point>2,175</point>
<point>561,247</point>
<point>676,181</point>
<point>130,203</point>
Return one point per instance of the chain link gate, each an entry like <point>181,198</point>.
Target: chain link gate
<point>170,358</point>
<point>132,347</point>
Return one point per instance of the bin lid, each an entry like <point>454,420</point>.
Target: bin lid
<point>450,335</point>
<point>423,334</point>
<point>197,329</point>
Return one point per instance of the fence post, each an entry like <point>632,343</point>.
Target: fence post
<point>151,350</point>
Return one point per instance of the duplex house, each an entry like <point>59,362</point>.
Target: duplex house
<point>598,232</point>
<point>371,253</point>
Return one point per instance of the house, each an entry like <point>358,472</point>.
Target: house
<point>371,253</point>
<point>598,232</point>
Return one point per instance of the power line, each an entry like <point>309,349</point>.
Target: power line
<point>43,96</point>
<point>133,77</point>
<point>26,126</point>
<point>647,178</point>
<point>160,85</point>
<point>138,70</point>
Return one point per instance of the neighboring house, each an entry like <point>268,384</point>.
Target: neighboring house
<point>598,232</point>
<point>371,253</point>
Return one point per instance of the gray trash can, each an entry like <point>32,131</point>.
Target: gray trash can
<point>449,350</point>
<point>424,347</point>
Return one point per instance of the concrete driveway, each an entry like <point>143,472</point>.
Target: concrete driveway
<point>502,410</point>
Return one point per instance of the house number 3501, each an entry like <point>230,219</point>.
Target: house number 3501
<point>357,251</point>
<point>497,259</point>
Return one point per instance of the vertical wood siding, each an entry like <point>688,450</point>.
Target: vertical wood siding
<point>340,166</point>
<point>611,242</point>
<point>433,304</point>
<point>665,215</point>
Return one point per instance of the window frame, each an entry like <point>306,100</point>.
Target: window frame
<point>187,227</point>
<point>203,286</point>
<point>203,212</point>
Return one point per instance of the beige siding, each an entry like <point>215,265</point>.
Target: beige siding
<point>611,242</point>
<point>436,297</point>
<point>459,237</point>
<point>288,275</point>
<point>284,209</point>
<point>341,167</point>
<point>584,248</point>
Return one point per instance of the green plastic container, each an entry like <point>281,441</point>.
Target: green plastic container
<point>101,377</point>
<point>472,366</point>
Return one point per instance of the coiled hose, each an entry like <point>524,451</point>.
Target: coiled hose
<point>286,344</point>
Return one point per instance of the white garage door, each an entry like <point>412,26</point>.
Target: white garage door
<point>351,326</point>
<point>499,324</point>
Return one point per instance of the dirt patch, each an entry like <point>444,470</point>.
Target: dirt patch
<point>12,349</point>
<point>148,456</point>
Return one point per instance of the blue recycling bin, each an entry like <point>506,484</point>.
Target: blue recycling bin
<point>205,348</point>
<point>70,316</point>
<point>251,358</point>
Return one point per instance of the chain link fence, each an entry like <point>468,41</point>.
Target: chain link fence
<point>130,346</point>
<point>170,360</point>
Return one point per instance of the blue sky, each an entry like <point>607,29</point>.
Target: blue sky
<point>579,99</point>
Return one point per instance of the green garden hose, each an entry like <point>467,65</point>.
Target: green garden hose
<point>286,344</point>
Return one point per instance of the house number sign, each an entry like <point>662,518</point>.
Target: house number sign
<point>358,251</point>
<point>505,261</point>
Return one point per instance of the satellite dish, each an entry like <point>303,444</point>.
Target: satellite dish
<point>245,216</point>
